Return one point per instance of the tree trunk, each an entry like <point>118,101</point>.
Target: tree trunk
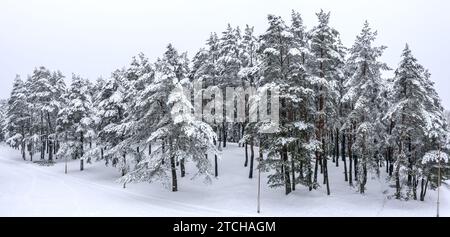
<point>31,151</point>
<point>316,166</point>
<point>300,174</point>
<point>423,189</point>
<point>246,155</point>
<point>426,188</point>
<point>415,182</point>
<point>174,174</point>
<point>55,147</point>
<point>410,165</point>
<point>216,166</point>
<point>324,159</point>
<point>224,134</point>
<point>331,143</point>
<point>42,137</point>
<point>325,167</point>
<point>50,148</point>
<point>391,164</point>
<point>364,181</point>
<point>293,172</point>
<point>343,157</point>
<point>350,156</point>
<point>138,154</point>
<point>81,144</point>
<point>46,144</point>
<point>287,179</point>
<point>23,150</point>
<point>43,150</point>
<point>163,147</point>
<point>337,147</point>
<point>182,168</point>
<point>397,182</point>
<point>252,157</point>
<point>124,169</point>
<point>321,162</point>
<point>309,177</point>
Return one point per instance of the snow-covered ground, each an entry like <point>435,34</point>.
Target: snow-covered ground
<point>28,189</point>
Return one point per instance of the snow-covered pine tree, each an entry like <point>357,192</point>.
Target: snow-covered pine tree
<point>228,67</point>
<point>56,103</point>
<point>363,89</point>
<point>17,117</point>
<point>435,144</point>
<point>132,126</point>
<point>326,67</point>
<point>205,71</point>
<point>301,108</point>
<point>386,143</point>
<point>418,123</point>
<point>40,95</point>
<point>248,74</point>
<point>97,151</point>
<point>181,136</point>
<point>110,112</point>
<point>274,50</point>
<point>74,119</point>
<point>283,67</point>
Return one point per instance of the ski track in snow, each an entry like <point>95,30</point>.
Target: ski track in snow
<point>33,190</point>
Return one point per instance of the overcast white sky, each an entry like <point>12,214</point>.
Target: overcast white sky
<point>94,37</point>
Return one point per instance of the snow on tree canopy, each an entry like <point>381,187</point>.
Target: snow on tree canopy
<point>271,51</point>
<point>435,156</point>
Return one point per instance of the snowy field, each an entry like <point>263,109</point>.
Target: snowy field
<point>28,189</point>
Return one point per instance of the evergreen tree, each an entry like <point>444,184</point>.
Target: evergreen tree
<point>40,97</point>
<point>248,74</point>
<point>363,89</point>
<point>111,112</point>
<point>17,116</point>
<point>74,120</point>
<point>283,57</point>
<point>181,136</point>
<point>418,120</point>
<point>206,71</point>
<point>228,67</point>
<point>56,103</point>
<point>326,66</point>
<point>131,127</point>
<point>302,107</point>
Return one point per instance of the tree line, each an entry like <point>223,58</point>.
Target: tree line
<point>336,108</point>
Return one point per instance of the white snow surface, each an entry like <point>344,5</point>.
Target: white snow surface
<point>32,190</point>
